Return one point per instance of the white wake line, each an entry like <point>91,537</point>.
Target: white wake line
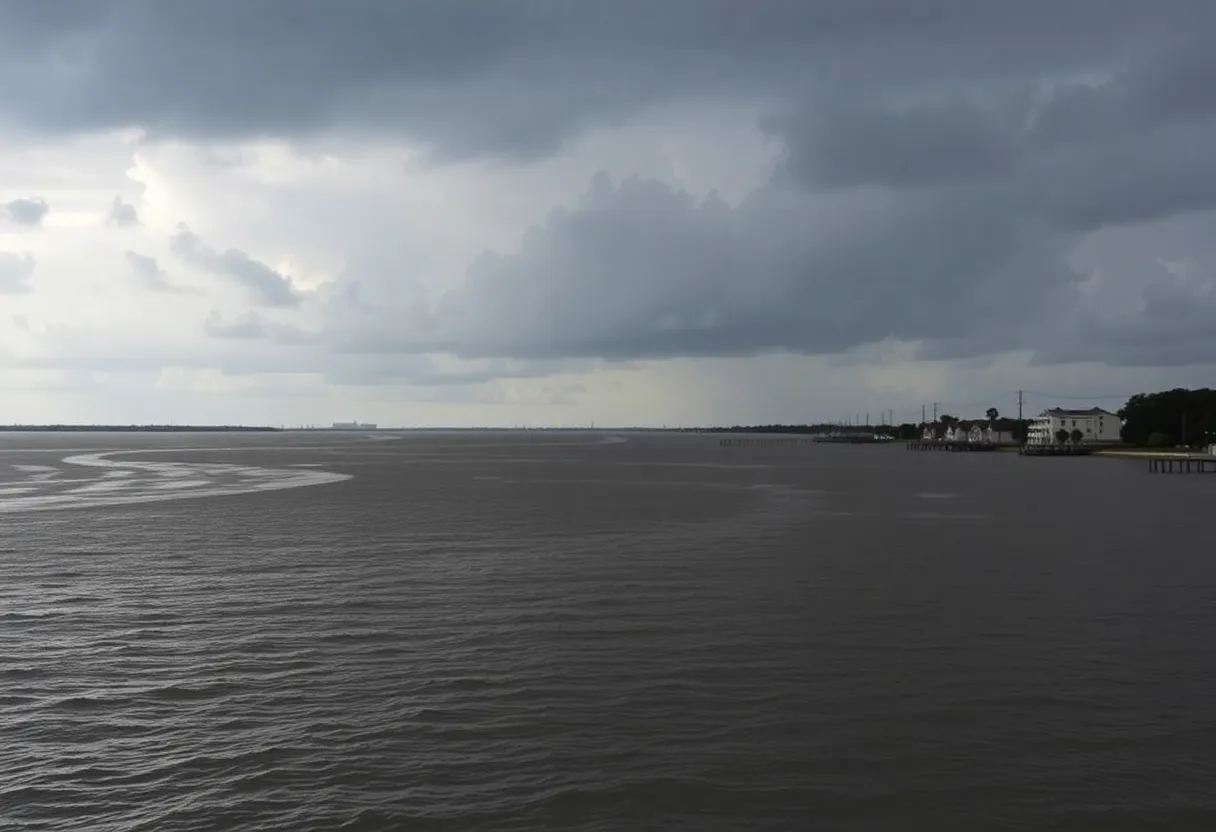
<point>253,480</point>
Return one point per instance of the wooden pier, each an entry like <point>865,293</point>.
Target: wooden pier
<point>1182,465</point>
<point>954,447</point>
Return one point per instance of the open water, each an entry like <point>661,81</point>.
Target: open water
<point>581,631</point>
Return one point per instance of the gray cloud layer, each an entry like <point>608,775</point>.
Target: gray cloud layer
<point>942,159</point>
<point>503,77</point>
<point>641,271</point>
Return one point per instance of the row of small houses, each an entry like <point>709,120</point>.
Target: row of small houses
<point>1096,426</point>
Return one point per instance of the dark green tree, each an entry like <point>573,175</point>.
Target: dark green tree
<point>1062,436</point>
<point>1189,415</point>
<point>993,414</point>
<point>1076,436</point>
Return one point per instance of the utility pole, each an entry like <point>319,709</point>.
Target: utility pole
<point>867,418</point>
<point>1021,427</point>
<point>935,413</point>
<point>922,415</point>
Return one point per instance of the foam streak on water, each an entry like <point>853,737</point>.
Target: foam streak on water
<point>521,632</point>
<point>126,482</point>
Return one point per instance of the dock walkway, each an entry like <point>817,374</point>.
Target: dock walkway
<point>1182,464</point>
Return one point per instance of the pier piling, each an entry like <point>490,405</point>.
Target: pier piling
<point>1182,465</point>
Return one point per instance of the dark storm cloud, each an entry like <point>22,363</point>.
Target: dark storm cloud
<point>865,143</point>
<point>941,157</point>
<point>945,219</point>
<point>25,211</point>
<point>1171,323</point>
<point>265,285</point>
<point>15,273</point>
<point>643,271</point>
<point>1080,156</point>
<point>511,78</point>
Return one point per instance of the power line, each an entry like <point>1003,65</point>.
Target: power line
<point>1000,400</point>
<point>987,401</point>
<point>1020,396</point>
<point>1062,396</point>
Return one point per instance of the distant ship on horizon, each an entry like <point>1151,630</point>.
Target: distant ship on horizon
<point>354,426</point>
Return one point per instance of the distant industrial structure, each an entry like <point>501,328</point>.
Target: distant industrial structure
<point>354,426</point>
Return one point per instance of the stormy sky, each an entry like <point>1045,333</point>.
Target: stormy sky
<point>474,212</point>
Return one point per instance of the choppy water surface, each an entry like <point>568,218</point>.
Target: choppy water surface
<point>567,631</point>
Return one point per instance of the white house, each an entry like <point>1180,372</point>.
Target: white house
<point>981,430</point>
<point>1000,437</point>
<point>1096,425</point>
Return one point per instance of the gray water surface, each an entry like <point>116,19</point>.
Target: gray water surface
<point>524,631</point>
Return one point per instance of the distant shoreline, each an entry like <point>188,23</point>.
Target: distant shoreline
<point>135,429</point>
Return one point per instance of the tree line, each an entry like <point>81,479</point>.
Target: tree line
<point>1171,417</point>
<point>1168,418</point>
<point>1165,419</point>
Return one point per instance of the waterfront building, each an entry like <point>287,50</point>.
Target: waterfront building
<point>1097,426</point>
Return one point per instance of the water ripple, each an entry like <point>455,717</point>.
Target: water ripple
<point>451,642</point>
